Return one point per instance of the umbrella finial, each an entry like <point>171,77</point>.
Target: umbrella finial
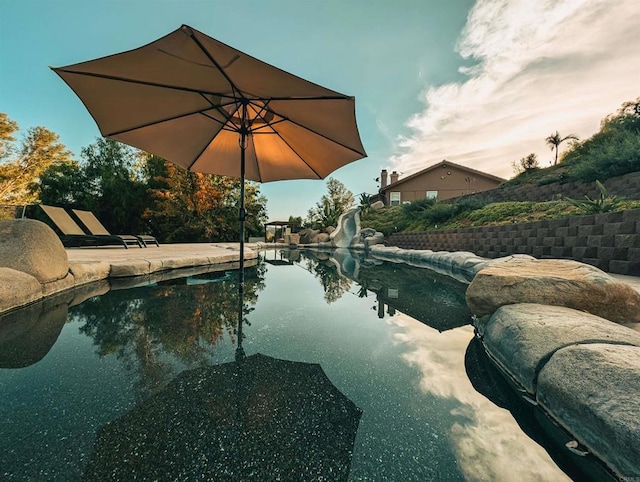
<point>188,30</point>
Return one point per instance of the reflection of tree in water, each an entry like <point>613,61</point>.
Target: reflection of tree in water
<point>333,284</point>
<point>154,328</point>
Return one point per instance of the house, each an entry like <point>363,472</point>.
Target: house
<point>443,180</point>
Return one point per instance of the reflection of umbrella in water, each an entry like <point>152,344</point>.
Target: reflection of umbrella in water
<point>257,419</point>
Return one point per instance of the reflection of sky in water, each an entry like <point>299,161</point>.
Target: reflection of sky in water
<point>485,438</point>
<point>422,419</point>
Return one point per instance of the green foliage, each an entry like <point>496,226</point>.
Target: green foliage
<point>298,223</point>
<point>418,207</point>
<point>364,202</point>
<point>62,185</point>
<point>21,166</point>
<point>337,201</point>
<point>497,211</point>
<point>604,203</point>
<point>387,220</point>
<point>554,141</point>
<point>613,151</point>
<point>439,213</point>
<point>470,203</point>
<point>187,206</point>
<point>526,164</point>
<point>615,154</point>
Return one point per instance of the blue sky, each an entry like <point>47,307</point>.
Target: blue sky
<point>480,83</point>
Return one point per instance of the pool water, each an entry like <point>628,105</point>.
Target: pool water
<point>421,403</point>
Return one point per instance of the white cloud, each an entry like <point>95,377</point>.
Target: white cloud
<point>540,67</point>
<point>486,440</point>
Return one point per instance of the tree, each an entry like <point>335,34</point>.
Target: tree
<point>21,167</point>
<point>525,164</point>
<point>7,129</point>
<point>554,141</point>
<point>337,201</point>
<point>113,188</point>
<point>612,151</point>
<point>190,206</point>
<point>297,220</point>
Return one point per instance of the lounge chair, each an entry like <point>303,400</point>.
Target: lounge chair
<point>95,227</point>
<point>74,237</point>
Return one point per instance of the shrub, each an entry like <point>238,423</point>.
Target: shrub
<point>471,203</point>
<point>499,211</point>
<point>603,203</point>
<point>418,206</point>
<point>438,213</point>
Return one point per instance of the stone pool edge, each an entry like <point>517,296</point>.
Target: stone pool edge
<point>582,370</point>
<point>93,265</point>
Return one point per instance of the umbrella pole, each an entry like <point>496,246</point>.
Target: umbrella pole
<point>242,214</point>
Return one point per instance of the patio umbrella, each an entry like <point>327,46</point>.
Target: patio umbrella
<point>210,108</point>
<point>258,419</point>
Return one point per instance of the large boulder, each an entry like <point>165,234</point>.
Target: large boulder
<point>320,238</point>
<point>592,391</point>
<point>32,247</point>
<point>17,289</point>
<point>522,337</point>
<point>553,282</point>
<point>306,235</point>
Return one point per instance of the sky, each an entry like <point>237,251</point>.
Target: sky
<point>480,83</point>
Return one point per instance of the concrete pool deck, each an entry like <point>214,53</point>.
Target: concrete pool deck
<point>82,266</point>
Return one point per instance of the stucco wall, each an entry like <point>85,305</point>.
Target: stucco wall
<point>609,241</point>
<point>450,181</point>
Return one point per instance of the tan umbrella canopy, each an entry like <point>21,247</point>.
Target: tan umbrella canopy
<point>210,108</point>
<point>189,98</point>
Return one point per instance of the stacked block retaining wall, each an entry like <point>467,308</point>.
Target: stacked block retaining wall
<point>627,186</point>
<point>609,241</point>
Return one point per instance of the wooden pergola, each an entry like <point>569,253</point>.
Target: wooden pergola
<point>278,224</point>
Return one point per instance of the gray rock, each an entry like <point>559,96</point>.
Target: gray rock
<point>320,238</point>
<point>89,271</point>
<point>377,238</point>
<point>522,337</point>
<point>377,205</point>
<point>592,391</point>
<point>17,289</point>
<point>306,235</point>
<point>32,247</point>
<point>553,282</point>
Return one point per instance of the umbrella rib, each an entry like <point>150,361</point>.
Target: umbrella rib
<point>324,137</point>
<point>256,154</point>
<point>142,126</point>
<point>200,91</point>
<point>141,82</point>
<point>296,153</point>
<point>187,30</point>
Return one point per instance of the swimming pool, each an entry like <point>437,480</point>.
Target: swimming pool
<point>81,386</point>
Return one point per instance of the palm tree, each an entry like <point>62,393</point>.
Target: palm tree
<point>554,141</point>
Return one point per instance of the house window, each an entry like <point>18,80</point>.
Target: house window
<point>432,194</point>
<point>395,199</point>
